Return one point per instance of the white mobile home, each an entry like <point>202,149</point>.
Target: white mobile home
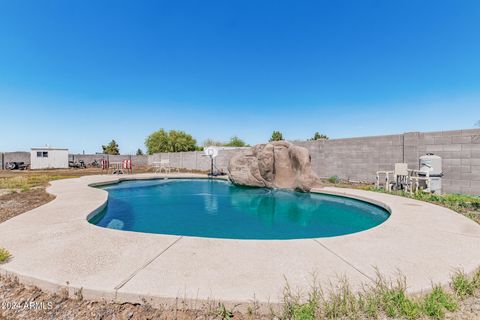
<point>48,158</point>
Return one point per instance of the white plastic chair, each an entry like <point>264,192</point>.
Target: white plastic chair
<point>416,176</point>
<point>400,178</point>
<point>162,165</point>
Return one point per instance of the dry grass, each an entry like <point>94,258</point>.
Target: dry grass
<point>26,182</point>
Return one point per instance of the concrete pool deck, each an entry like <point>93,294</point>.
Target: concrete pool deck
<point>54,247</point>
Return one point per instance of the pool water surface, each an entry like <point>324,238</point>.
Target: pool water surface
<point>217,209</point>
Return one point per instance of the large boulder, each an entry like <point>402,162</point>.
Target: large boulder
<point>277,164</point>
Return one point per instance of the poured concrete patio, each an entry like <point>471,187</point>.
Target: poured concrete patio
<point>54,247</point>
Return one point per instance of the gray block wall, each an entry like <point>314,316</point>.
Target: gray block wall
<point>355,159</point>
<point>358,159</point>
<point>17,156</point>
<point>460,151</point>
<point>194,160</point>
<point>20,156</point>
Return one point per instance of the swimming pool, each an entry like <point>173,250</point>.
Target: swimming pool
<point>217,209</point>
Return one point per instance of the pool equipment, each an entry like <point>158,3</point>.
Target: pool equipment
<point>432,164</point>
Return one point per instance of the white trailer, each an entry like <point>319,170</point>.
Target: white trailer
<point>48,158</point>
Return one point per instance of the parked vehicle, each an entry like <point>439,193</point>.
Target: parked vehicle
<point>95,164</point>
<point>16,165</point>
<point>79,165</point>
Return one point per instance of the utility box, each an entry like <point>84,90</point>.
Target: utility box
<point>433,165</point>
<point>48,158</point>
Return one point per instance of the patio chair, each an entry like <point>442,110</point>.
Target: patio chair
<point>162,165</point>
<point>418,178</point>
<point>400,178</point>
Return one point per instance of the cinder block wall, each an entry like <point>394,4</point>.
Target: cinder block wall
<point>359,158</point>
<point>353,158</point>
<point>194,160</point>
<point>460,151</point>
<point>17,156</point>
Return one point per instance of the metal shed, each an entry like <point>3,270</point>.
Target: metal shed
<point>48,158</point>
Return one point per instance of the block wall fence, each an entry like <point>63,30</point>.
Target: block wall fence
<point>355,159</point>
<point>359,158</point>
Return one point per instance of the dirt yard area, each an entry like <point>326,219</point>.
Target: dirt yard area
<point>27,302</point>
<point>15,203</point>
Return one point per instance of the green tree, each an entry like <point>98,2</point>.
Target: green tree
<point>211,142</point>
<point>158,141</point>
<point>111,148</point>
<point>235,142</point>
<point>171,141</point>
<point>139,152</point>
<point>276,136</point>
<point>319,136</point>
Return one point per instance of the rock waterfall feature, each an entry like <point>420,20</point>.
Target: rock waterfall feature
<point>277,164</point>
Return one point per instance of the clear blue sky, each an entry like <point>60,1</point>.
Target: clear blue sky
<point>78,73</point>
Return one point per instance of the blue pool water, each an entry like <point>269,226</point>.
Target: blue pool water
<point>218,209</point>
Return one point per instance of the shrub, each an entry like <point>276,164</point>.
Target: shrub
<point>382,299</point>
<point>341,302</point>
<point>4,255</point>
<point>294,309</point>
<point>319,136</point>
<point>465,204</point>
<point>236,142</point>
<point>224,313</point>
<point>435,303</point>
<point>396,303</point>
<point>276,136</point>
<point>211,142</point>
<point>463,286</point>
<point>334,179</point>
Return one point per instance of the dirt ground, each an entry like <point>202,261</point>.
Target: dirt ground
<point>26,302</point>
<point>15,203</point>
